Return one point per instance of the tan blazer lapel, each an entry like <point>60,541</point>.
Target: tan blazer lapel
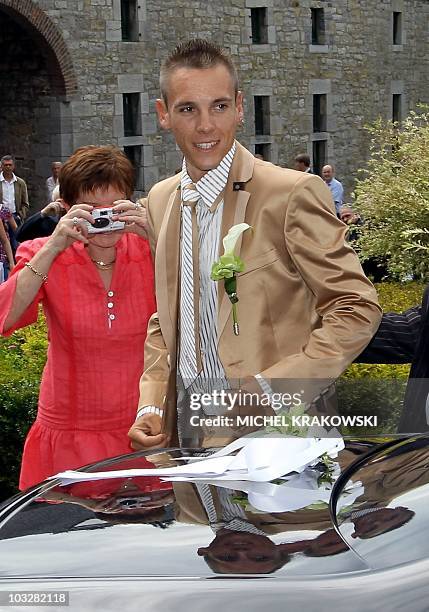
<point>234,212</point>
<point>167,268</point>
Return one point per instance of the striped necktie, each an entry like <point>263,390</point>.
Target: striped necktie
<point>233,517</point>
<point>189,356</point>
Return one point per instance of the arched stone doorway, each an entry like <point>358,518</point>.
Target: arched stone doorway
<point>36,84</point>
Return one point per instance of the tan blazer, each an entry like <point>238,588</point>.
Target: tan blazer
<point>305,308</point>
<point>21,197</point>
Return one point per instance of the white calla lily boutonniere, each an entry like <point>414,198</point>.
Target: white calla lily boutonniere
<point>227,267</point>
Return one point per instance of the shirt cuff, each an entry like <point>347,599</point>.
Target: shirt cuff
<point>265,386</point>
<point>268,391</point>
<point>149,410</point>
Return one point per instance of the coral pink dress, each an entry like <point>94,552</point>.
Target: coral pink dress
<point>90,385</point>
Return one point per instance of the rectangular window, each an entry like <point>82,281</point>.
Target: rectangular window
<point>263,150</point>
<point>129,20</point>
<point>319,113</point>
<point>132,114</point>
<point>317,26</point>
<point>396,108</point>
<point>134,154</point>
<point>258,18</point>
<point>319,155</point>
<point>397,28</point>
<point>262,115</point>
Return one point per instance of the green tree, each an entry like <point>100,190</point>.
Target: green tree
<point>392,195</point>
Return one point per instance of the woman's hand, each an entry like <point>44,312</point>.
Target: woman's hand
<point>71,228</point>
<point>133,215</point>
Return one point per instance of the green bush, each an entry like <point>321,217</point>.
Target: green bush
<point>22,358</point>
<point>392,195</point>
<point>23,354</point>
<point>18,401</point>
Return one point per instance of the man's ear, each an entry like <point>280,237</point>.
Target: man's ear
<point>239,106</point>
<point>163,115</point>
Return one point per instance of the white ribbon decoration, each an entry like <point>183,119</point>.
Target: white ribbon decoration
<point>258,460</point>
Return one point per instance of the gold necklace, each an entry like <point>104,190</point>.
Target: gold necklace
<point>101,265</point>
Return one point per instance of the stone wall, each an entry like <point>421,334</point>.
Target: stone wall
<point>358,68</point>
<point>26,97</point>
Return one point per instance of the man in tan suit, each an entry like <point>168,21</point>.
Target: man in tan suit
<point>305,307</point>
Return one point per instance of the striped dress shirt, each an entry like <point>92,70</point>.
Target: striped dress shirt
<point>209,210</point>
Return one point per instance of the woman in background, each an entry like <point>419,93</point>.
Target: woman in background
<point>97,293</point>
<point>6,255</point>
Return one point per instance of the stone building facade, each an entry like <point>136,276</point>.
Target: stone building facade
<point>75,72</point>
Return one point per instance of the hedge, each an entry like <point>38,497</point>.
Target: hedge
<point>22,357</point>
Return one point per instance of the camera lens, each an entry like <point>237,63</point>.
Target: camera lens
<point>98,223</point>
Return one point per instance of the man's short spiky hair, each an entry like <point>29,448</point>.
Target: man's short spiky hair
<point>195,53</point>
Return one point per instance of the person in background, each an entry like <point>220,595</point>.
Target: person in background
<point>13,190</point>
<point>52,181</point>
<point>43,223</point>
<point>404,338</point>
<point>6,255</point>
<point>335,186</point>
<point>97,293</point>
<point>349,216</point>
<point>13,197</point>
<point>302,163</point>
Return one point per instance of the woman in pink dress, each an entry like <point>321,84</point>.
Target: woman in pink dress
<point>97,293</point>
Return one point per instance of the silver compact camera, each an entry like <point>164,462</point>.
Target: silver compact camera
<point>103,221</point>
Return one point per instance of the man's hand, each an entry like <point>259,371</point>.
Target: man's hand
<point>146,433</point>
<point>56,208</point>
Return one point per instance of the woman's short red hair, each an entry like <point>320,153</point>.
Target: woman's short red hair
<point>96,167</point>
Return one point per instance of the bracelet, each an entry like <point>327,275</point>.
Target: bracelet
<point>44,277</point>
<point>149,410</point>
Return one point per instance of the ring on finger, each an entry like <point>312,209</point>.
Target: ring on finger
<point>75,221</point>
<point>137,206</point>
